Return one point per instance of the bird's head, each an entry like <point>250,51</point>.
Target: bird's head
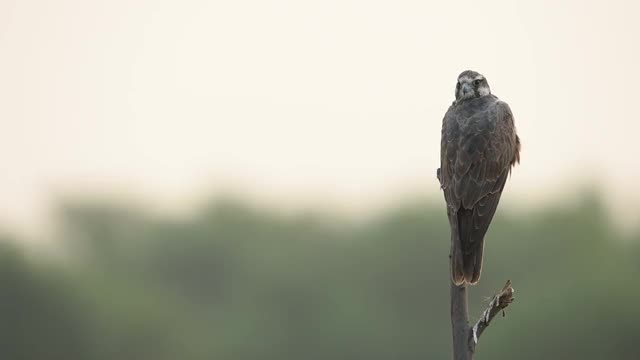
<point>470,85</point>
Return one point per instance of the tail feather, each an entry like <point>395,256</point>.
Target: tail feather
<point>457,263</point>
<point>473,265</point>
<point>467,248</point>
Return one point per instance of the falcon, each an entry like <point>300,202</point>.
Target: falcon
<point>479,147</point>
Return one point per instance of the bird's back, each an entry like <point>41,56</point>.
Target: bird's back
<point>479,145</point>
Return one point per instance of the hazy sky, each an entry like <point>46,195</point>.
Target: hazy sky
<point>326,101</point>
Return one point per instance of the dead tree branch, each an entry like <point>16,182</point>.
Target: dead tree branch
<point>499,302</point>
<point>465,339</point>
<point>460,323</point>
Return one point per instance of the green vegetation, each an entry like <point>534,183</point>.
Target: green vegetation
<point>236,283</point>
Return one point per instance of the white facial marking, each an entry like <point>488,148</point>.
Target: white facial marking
<point>467,79</point>
<point>483,90</point>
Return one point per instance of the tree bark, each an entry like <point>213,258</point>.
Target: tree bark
<point>460,323</point>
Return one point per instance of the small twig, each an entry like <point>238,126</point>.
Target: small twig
<point>498,303</point>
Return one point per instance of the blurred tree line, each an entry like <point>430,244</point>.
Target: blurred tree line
<point>237,282</point>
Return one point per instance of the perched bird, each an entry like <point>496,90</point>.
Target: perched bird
<point>478,149</point>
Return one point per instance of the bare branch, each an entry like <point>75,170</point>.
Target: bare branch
<point>460,323</point>
<point>498,303</point>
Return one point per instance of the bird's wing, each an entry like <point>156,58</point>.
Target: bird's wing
<point>479,145</point>
<point>477,150</point>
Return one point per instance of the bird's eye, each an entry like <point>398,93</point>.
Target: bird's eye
<point>476,82</point>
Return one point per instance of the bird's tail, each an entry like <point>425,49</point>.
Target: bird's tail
<point>466,250</point>
<point>457,267</point>
<point>456,258</point>
<point>473,265</point>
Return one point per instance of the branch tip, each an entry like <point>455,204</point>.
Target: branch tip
<point>497,305</point>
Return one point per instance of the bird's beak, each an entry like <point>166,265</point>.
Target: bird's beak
<point>466,88</point>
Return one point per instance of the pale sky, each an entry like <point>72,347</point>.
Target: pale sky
<point>305,101</point>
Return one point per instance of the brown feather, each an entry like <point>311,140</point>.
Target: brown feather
<point>478,149</point>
